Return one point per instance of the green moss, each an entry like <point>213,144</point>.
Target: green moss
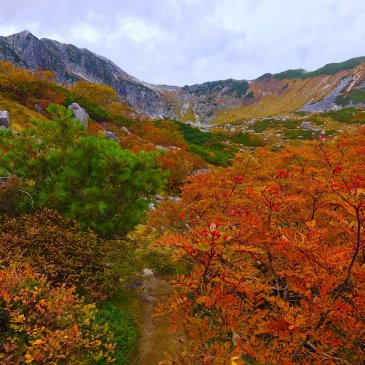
<point>217,149</point>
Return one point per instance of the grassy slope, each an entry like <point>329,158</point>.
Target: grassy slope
<point>19,114</point>
<point>356,96</point>
<point>282,97</point>
<point>297,94</point>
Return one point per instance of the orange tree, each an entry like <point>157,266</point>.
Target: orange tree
<point>40,324</point>
<point>276,245</point>
<point>180,163</point>
<point>101,95</point>
<point>29,86</point>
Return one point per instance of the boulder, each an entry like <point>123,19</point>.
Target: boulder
<point>174,198</point>
<point>38,108</point>
<point>148,298</point>
<point>111,135</point>
<point>197,172</point>
<point>147,273</point>
<point>80,114</point>
<point>4,119</point>
<point>156,287</point>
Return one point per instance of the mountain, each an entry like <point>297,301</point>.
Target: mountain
<point>330,87</point>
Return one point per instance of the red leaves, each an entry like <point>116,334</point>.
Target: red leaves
<point>282,174</point>
<point>336,342</point>
<point>337,170</point>
<point>322,138</point>
<point>239,179</point>
<point>276,286</point>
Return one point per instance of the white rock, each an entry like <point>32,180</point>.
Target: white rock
<point>4,118</point>
<point>147,273</point>
<point>126,131</point>
<point>79,114</point>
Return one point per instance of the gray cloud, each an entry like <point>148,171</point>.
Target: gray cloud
<point>190,41</point>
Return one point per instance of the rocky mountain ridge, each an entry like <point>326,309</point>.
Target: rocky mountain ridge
<point>218,101</point>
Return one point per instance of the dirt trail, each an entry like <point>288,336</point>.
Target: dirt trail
<point>156,340</point>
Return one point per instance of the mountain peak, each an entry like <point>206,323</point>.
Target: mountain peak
<point>23,34</point>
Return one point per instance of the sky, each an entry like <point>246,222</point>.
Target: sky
<point>184,42</point>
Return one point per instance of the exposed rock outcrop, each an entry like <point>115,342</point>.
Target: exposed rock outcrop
<point>4,119</point>
<point>328,102</point>
<point>154,289</point>
<point>71,64</point>
<point>80,114</point>
<point>111,135</point>
<point>38,108</point>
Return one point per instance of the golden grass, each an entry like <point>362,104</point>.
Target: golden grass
<point>20,115</point>
<point>283,97</point>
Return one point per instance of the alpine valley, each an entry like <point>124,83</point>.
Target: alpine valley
<point>221,223</point>
<point>331,87</point>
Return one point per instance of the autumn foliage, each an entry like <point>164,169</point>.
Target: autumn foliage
<point>101,95</point>
<point>28,86</point>
<point>56,247</point>
<point>276,246</point>
<point>40,324</point>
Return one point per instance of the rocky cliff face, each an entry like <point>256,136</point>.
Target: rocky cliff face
<point>222,101</point>
<point>72,64</point>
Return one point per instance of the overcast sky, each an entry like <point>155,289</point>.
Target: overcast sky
<point>180,42</point>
